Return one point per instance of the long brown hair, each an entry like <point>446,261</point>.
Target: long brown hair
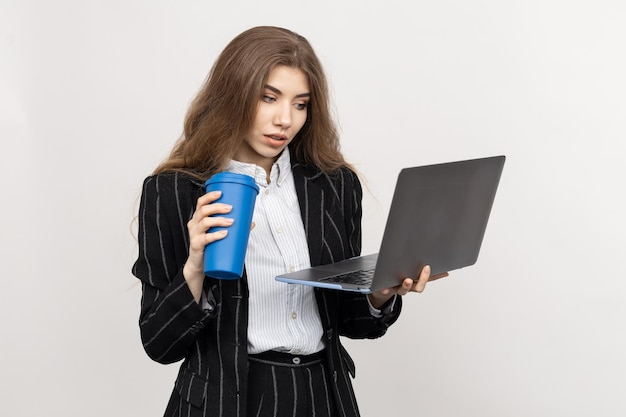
<point>224,109</point>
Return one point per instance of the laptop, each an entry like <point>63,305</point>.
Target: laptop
<point>438,217</point>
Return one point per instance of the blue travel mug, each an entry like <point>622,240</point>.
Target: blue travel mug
<point>224,258</point>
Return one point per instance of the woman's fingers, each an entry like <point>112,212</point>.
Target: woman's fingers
<point>425,278</point>
<point>405,287</point>
<point>207,223</point>
<point>212,209</point>
<point>412,284</point>
<point>207,216</point>
<point>208,198</point>
<point>422,280</point>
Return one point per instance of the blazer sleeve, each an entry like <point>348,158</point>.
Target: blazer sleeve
<point>169,318</point>
<point>356,320</point>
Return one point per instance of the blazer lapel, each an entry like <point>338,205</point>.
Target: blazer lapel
<point>311,199</point>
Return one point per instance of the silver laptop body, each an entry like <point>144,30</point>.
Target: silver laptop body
<point>438,217</point>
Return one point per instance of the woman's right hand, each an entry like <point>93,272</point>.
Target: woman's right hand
<point>202,221</point>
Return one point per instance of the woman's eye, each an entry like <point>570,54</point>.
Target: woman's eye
<point>268,99</point>
<point>302,106</point>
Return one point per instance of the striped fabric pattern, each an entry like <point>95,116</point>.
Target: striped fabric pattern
<point>281,317</point>
<point>292,390</point>
<point>213,344</point>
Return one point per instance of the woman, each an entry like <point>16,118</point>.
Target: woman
<point>254,346</point>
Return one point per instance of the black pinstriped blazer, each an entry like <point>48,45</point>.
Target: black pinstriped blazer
<point>213,377</point>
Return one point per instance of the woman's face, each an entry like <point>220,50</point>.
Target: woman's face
<point>280,115</point>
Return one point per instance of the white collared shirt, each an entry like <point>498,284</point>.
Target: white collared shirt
<point>282,317</point>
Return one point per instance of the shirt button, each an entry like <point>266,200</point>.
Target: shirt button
<point>294,315</point>
<point>279,230</point>
<point>292,269</point>
<point>267,192</point>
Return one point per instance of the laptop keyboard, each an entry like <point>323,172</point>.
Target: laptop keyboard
<point>363,277</point>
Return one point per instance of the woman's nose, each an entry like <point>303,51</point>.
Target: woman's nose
<point>283,116</point>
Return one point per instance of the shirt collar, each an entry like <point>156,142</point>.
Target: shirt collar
<point>280,170</point>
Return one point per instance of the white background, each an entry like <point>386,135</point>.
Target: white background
<point>93,95</point>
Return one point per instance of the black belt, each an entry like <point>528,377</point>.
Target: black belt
<point>287,359</point>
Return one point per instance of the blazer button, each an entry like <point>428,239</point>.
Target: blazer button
<point>329,334</point>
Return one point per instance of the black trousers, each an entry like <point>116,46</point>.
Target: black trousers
<point>284,385</point>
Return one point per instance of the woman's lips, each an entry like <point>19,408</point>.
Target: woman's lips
<point>275,140</point>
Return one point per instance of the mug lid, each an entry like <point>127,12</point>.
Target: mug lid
<point>232,177</point>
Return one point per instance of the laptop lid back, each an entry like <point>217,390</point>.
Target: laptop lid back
<point>438,217</point>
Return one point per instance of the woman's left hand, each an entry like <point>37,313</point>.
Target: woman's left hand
<point>378,298</point>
